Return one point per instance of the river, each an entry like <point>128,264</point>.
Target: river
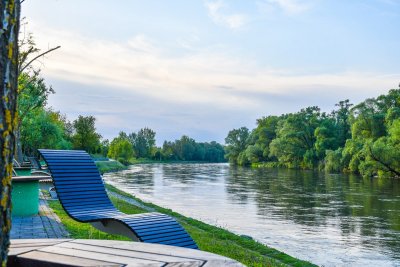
<point>328,219</point>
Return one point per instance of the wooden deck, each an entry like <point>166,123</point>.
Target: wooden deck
<point>84,252</point>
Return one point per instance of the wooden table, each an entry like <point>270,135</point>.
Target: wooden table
<point>91,252</point>
<point>25,194</point>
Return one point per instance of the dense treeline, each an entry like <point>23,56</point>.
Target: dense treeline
<point>126,147</point>
<point>363,139</point>
<point>42,127</point>
<point>39,126</point>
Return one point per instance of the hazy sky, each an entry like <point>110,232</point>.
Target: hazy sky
<point>202,68</point>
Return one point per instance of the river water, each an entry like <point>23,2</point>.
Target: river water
<point>330,220</point>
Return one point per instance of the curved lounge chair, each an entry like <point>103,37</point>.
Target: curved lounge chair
<point>81,192</point>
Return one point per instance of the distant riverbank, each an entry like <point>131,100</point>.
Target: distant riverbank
<point>114,166</point>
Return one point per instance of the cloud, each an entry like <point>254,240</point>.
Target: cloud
<point>143,66</point>
<point>232,21</point>
<point>289,7</point>
<point>138,83</point>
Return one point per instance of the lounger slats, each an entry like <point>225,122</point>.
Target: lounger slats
<point>81,191</point>
<point>76,175</point>
<point>180,235</point>
<point>78,201</point>
<point>160,233</point>
<point>75,195</point>
<point>151,221</point>
<point>81,168</point>
<point>74,187</point>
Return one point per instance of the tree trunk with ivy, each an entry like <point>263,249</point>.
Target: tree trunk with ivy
<point>9,28</point>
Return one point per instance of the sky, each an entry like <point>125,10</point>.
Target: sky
<point>203,68</point>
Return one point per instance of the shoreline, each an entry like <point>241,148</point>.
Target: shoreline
<point>208,237</point>
<point>277,257</point>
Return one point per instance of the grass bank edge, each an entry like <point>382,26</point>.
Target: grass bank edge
<point>244,242</point>
<point>110,166</point>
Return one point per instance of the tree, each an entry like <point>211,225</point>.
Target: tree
<point>43,128</point>
<point>85,136</point>
<point>294,145</point>
<point>33,92</point>
<point>373,147</point>
<point>257,149</point>
<point>121,149</point>
<point>236,142</point>
<point>143,142</point>
<point>9,28</point>
<point>33,95</point>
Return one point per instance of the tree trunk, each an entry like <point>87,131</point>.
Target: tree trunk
<point>9,28</point>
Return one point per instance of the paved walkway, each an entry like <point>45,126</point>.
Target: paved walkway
<point>45,225</point>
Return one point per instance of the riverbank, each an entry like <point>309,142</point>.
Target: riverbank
<point>208,237</point>
<point>114,166</point>
<point>110,166</point>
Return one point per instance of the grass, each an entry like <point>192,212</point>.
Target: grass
<point>110,166</point>
<point>209,238</point>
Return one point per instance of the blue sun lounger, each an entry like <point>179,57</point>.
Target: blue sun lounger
<point>82,193</point>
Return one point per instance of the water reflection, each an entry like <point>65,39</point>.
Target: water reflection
<point>328,219</point>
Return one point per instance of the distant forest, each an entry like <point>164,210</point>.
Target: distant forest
<point>362,138</point>
<point>42,127</point>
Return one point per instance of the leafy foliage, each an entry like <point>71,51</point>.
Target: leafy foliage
<point>363,139</point>
<point>85,136</point>
<point>121,149</point>
<point>187,149</point>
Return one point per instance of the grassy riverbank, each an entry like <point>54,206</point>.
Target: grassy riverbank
<point>208,237</point>
<point>110,166</point>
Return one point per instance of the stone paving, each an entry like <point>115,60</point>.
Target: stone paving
<point>45,225</point>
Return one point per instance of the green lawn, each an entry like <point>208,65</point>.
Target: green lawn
<point>208,237</point>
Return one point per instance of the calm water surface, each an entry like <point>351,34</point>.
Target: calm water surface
<point>330,220</point>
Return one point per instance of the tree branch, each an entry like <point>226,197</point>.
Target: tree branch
<point>386,165</point>
<point>38,56</point>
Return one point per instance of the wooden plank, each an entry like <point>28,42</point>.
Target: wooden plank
<point>146,220</point>
<point>180,240</point>
<point>78,175</point>
<point>74,166</point>
<point>88,203</point>
<point>28,178</point>
<point>91,200</point>
<point>152,248</point>
<point>40,258</point>
<point>139,217</point>
<point>143,226</point>
<point>156,230</point>
<point>167,232</point>
<point>55,172</point>
<point>180,237</point>
<point>100,248</point>
<point>81,181</point>
<point>220,262</point>
<point>99,256</point>
<point>75,187</point>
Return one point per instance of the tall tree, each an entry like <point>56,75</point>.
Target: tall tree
<point>235,143</point>
<point>85,136</point>
<point>143,142</point>
<point>33,92</point>
<point>294,145</point>
<point>9,28</point>
<point>121,149</point>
